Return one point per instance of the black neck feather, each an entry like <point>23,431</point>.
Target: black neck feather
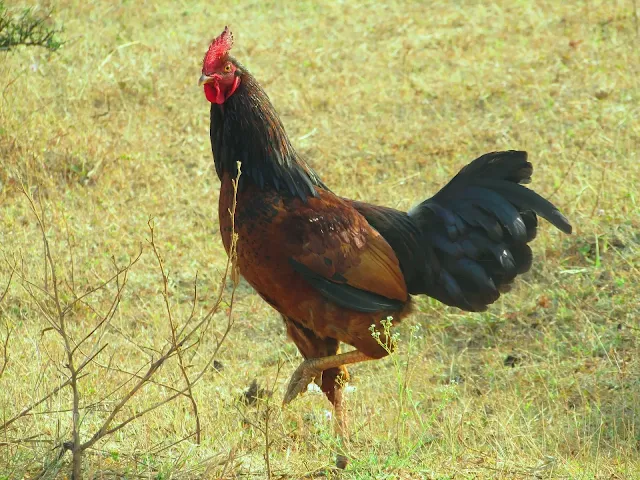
<point>246,129</point>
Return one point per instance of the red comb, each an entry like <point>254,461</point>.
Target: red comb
<point>217,50</point>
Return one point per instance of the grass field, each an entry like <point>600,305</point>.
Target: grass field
<point>387,102</point>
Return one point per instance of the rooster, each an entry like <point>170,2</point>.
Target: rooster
<point>334,267</point>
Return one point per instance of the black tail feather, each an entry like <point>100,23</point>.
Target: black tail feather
<point>478,227</point>
<point>527,199</point>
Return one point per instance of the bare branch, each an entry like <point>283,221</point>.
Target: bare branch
<point>103,284</point>
<point>72,287</point>
<point>138,415</point>
<point>186,337</point>
<point>91,358</point>
<point>174,338</point>
<point>47,251</point>
<point>5,351</point>
<point>106,318</point>
<point>31,439</point>
<point>6,289</point>
<point>5,342</point>
<point>26,410</point>
<point>61,324</point>
<point>132,375</point>
<point>24,279</point>
<point>174,349</point>
<point>104,429</point>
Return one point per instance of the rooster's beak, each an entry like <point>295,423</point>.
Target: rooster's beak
<point>204,79</point>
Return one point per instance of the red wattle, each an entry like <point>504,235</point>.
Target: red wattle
<point>215,95</point>
<point>212,92</point>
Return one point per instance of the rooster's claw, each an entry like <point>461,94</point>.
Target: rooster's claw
<point>300,380</point>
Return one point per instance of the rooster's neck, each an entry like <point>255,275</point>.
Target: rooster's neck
<point>247,129</point>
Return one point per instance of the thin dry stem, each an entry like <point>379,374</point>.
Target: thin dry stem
<point>26,410</point>
<point>174,347</point>
<point>62,330</point>
<point>172,326</point>
<point>5,342</point>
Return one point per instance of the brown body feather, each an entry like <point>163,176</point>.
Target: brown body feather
<point>330,237</point>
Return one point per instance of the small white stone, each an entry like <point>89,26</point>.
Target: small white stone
<point>313,388</point>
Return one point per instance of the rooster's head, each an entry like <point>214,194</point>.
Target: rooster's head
<point>220,74</point>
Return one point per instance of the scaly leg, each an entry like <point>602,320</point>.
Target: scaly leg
<point>340,426</point>
<point>331,381</point>
<point>312,367</point>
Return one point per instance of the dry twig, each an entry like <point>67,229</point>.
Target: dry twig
<point>57,311</point>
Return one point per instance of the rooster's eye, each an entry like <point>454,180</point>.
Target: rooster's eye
<point>227,68</point>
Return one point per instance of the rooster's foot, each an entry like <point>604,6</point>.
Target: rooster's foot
<point>301,379</point>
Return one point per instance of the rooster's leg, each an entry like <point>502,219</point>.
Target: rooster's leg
<point>313,367</point>
<point>340,425</point>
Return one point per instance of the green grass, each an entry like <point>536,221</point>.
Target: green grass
<point>387,102</point>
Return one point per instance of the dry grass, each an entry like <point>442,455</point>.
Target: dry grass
<point>387,102</point>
